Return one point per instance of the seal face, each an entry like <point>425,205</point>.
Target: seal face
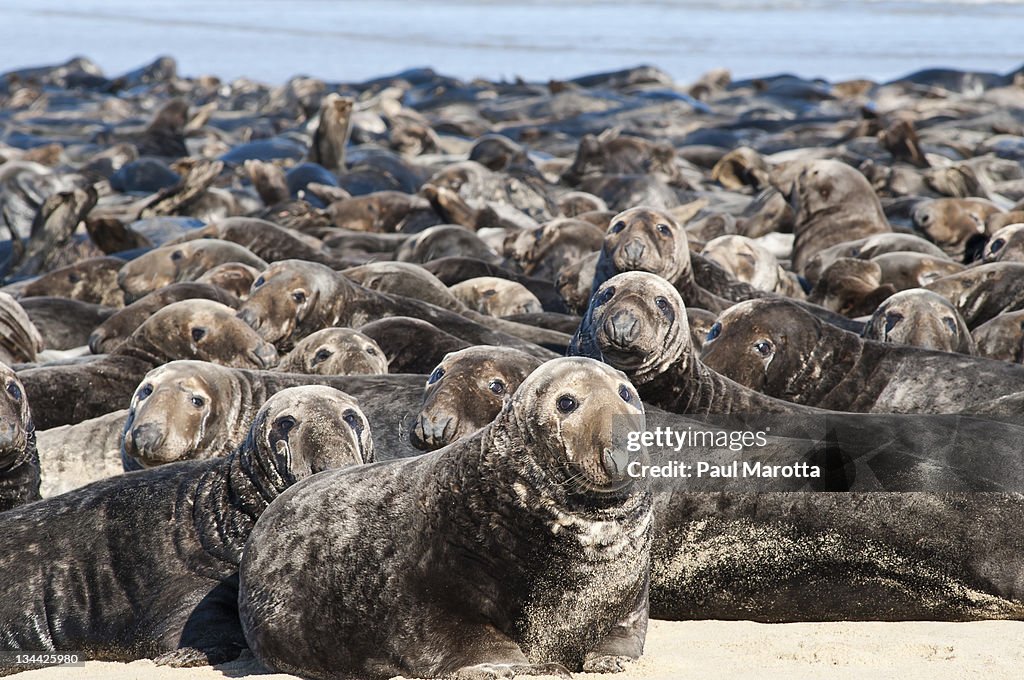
<point>179,530</point>
<point>498,297</point>
<point>648,240</point>
<point>921,318</point>
<point>536,510</point>
<point>19,461</point>
<point>336,351</point>
<point>466,391</point>
<point>1005,245</point>
<point>180,262</point>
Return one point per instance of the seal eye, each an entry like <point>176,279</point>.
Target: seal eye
<point>284,425</point>
<point>764,348</point>
<point>299,296</point>
<point>567,403</point>
<point>490,292</point>
<point>177,255</point>
<point>74,277</point>
<point>714,331</point>
<point>997,245</point>
<point>351,419</point>
<point>664,230</point>
<point>925,219</point>
<point>198,402</point>
<point>371,351</point>
<point>145,391</point>
<point>618,226</point>
<point>625,394</point>
<point>950,324</point>
<point>258,282</point>
<point>435,376</point>
<point>891,319</point>
<point>496,386</point>
<point>14,391</point>
<point>321,356</point>
<point>198,334</point>
<point>662,303</point>
<point>604,296</point>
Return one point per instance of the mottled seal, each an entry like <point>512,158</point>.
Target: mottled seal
<point>904,270</point>
<point>496,297</point>
<point>851,287</point>
<point>268,241</point>
<point>466,391</point>
<point>335,351</point>
<point>190,329</point>
<point>775,347</point>
<point>833,202</point>
<point>983,291</point>
<point>71,456</point>
<point>1005,245</point>
<point>234,277</point>
<point>1001,338</point>
<point>451,270</point>
<point>19,461</point>
<point>186,410</point>
<point>869,248</point>
<point>144,565</point>
<point>411,345</point>
<point>749,261</point>
<point>120,325</point>
<point>92,280</point>
<point>180,262</point>
<point>496,588</point>
<point>406,279</point>
<point>293,298</point>
<point>920,318</point>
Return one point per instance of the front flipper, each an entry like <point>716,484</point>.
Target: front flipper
<point>498,671</point>
<point>187,657</point>
<point>625,642</point>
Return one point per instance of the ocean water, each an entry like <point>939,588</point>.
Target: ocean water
<point>271,40</point>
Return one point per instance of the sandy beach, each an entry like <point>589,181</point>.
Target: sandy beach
<point>736,649</point>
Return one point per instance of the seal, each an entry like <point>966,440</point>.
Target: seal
<point>749,261</point>
<point>851,287</point>
<point>832,203</point>
<point>187,410</point>
<point>293,298</point>
<point>775,347</point>
<point>64,323</point>
<point>904,270</point>
<point>556,245</point>
<point>71,456</point>
<point>951,223</point>
<point>869,248</point>
<point>466,391</point>
<point>514,595</point>
<point>19,460</point>
<point>1001,337</point>
<point>1005,245</point>
<point>120,325</point>
<point>575,282</point>
<point>444,240</point>
<point>411,345</point>
<point>92,280</point>
<point>268,241</point>
<point>190,329</point>
<point>20,340</point>
<point>923,319</point>
<point>406,279</point>
<point>179,530</point>
<point>984,291</point>
<point>234,277</point>
<point>452,270</point>
<point>180,262</point>
<point>335,351</point>
<point>496,297</point>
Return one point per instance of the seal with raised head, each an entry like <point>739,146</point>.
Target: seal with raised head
<point>190,329</point>
<point>120,325</point>
<point>187,410</point>
<point>145,565</point>
<point>528,553</point>
<point>775,347</point>
<point>180,262</point>
<point>497,297</point>
<point>19,461</point>
<point>466,391</point>
<point>920,318</point>
<point>293,298</point>
<point>335,351</point>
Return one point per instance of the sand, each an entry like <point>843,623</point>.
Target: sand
<point>737,649</point>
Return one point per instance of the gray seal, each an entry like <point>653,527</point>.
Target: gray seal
<point>335,351</point>
<point>920,318</point>
<point>497,297</point>
<point>19,461</point>
<point>180,262</point>
<point>412,345</point>
<point>520,550</point>
<point>145,565</point>
<point>1001,338</point>
<point>466,391</point>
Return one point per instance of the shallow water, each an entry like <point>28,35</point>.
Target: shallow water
<point>272,40</point>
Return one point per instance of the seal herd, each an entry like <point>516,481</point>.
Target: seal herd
<point>338,374</point>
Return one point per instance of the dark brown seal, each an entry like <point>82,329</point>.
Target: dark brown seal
<point>528,553</point>
<point>411,345</point>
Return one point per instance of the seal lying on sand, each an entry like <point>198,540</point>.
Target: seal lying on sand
<point>335,351</point>
<point>144,565</point>
<point>529,553</point>
<point>186,410</point>
<point>190,329</point>
<point>777,348</point>
<point>466,391</point>
<point>19,462</point>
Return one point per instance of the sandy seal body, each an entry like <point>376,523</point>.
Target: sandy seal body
<point>542,599</point>
<point>142,566</point>
<point>923,319</point>
<point>190,329</point>
<point>71,456</point>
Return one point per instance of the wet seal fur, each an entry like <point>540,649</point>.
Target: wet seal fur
<point>466,390</point>
<point>520,550</point>
<point>145,565</point>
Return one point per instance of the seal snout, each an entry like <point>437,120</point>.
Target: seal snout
<point>622,328</point>
<point>633,253</point>
<point>147,439</point>
<point>250,318</point>
<point>265,355</point>
<point>615,463</point>
<point>434,433</point>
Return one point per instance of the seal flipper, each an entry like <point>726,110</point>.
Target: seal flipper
<point>213,632</point>
<point>493,655</point>
<point>625,642</point>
